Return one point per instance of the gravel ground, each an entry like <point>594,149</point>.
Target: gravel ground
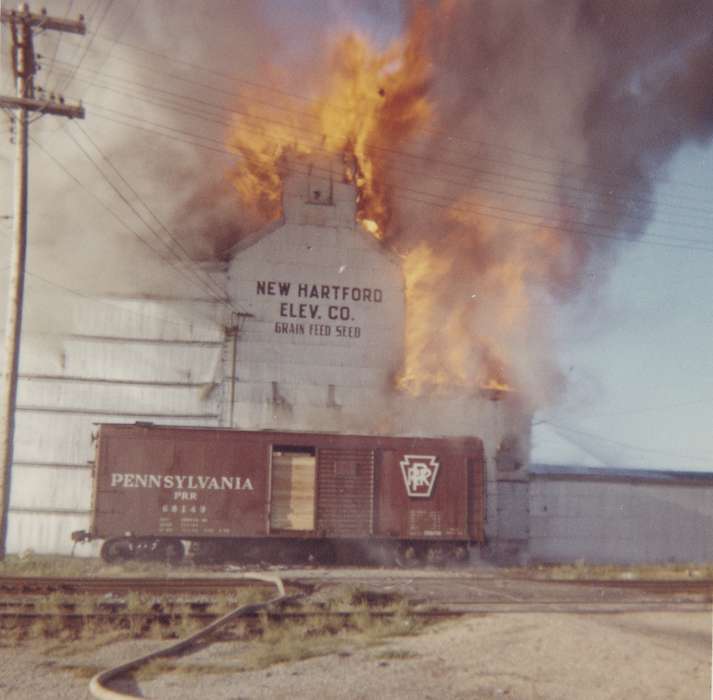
<point>516,655</point>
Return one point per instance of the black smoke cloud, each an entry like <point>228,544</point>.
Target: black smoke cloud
<point>549,115</point>
<point>556,116</point>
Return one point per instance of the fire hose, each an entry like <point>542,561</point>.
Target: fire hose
<point>97,685</point>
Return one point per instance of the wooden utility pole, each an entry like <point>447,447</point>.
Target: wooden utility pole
<point>22,24</point>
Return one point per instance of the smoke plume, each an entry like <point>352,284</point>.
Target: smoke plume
<point>552,124</point>
<point>501,148</point>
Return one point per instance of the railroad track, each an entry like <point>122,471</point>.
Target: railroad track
<point>653,585</point>
<point>120,617</point>
<point>207,585</point>
<point>168,603</point>
<point>43,585</point>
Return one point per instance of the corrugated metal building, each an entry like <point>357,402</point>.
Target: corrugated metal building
<point>620,516</point>
<point>126,360</point>
<point>312,342</point>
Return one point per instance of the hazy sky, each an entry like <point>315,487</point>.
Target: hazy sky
<point>640,356</point>
<point>637,349</point>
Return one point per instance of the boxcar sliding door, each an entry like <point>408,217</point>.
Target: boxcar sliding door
<point>292,493</point>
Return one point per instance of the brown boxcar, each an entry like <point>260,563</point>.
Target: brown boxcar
<point>246,491</point>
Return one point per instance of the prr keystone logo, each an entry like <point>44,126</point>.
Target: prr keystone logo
<point>419,473</point>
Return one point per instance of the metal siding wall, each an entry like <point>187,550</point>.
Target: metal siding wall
<point>117,358</point>
<point>88,396</point>
<point>47,533</point>
<point>44,487</point>
<point>620,522</point>
<point>95,371</point>
<point>513,510</point>
<point>124,359</point>
<point>284,380</point>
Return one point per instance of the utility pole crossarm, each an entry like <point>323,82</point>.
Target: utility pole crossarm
<point>44,106</point>
<point>43,21</point>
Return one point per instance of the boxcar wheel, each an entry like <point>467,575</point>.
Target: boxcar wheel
<point>458,555</point>
<point>208,552</point>
<point>436,555</point>
<point>117,549</point>
<point>407,556</point>
<point>170,551</point>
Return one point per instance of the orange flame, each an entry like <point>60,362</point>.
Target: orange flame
<point>373,102</point>
<point>468,325</point>
<point>443,350</point>
<point>464,312</point>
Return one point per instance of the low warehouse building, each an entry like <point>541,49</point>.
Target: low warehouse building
<point>620,516</point>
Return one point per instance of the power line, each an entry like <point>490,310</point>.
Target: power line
<point>627,446</point>
<point>186,260</point>
<point>75,68</point>
<point>119,219</point>
<point>510,211</point>
<point>430,194</point>
<point>57,44</point>
<point>651,239</point>
<point>510,178</point>
<point>90,42</point>
<point>89,13</point>
<point>187,264</point>
<point>311,101</point>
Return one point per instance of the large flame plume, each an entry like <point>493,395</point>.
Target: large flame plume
<point>372,102</point>
<point>498,147</point>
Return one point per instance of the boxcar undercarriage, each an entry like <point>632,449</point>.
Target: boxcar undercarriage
<point>286,551</point>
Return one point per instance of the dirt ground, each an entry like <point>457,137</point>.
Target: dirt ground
<point>519,655</point>
<point>661,652</point>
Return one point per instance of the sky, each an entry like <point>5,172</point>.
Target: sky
<point>636,347</point>
<point>639,358</point>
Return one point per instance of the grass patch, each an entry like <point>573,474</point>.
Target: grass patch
<point>339,626</point>
<point>346,619</point>
<point>77,618</point>
<point>396,654</point>
<point>357,625</point>
<point>61,566</point>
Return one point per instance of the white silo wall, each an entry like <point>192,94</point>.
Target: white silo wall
<point>325,333</point>
<point>108,360</point>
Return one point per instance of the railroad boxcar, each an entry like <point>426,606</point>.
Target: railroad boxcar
<point>264,495</point>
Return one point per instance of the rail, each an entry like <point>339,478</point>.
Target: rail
<point>97,685</point>
<point>42,585</point>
